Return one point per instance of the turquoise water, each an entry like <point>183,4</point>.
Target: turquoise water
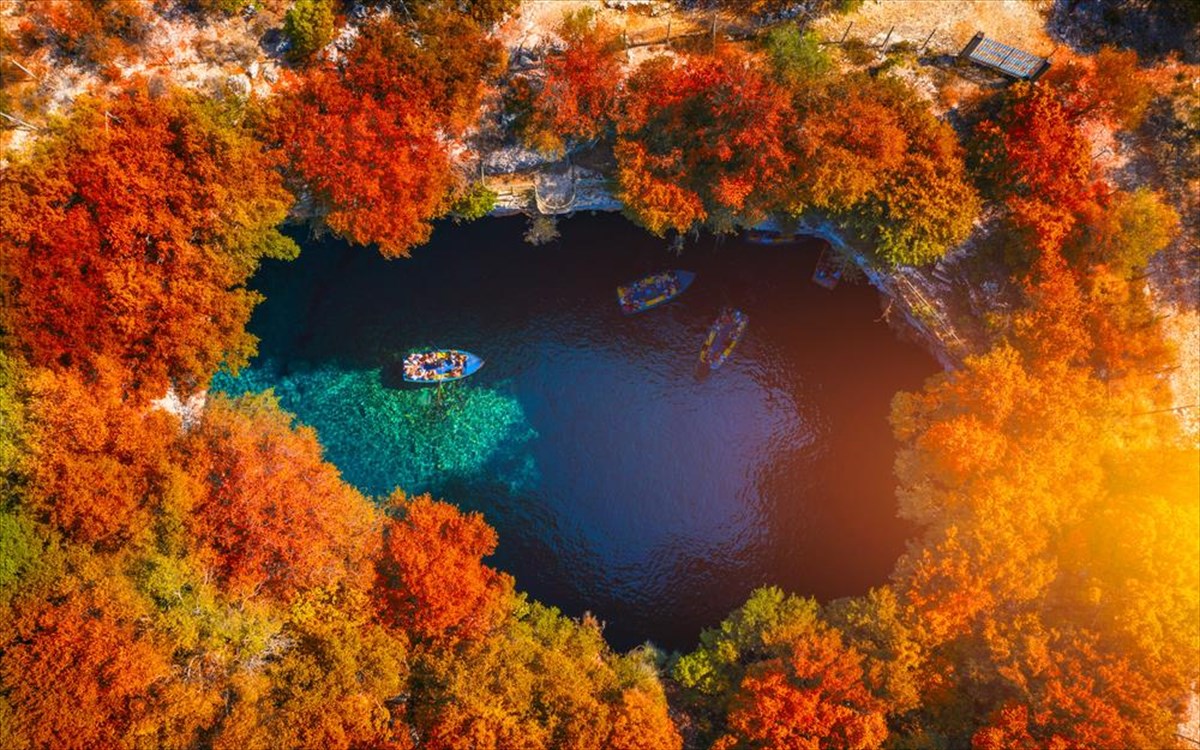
<point>621,481</point>
<point>417,440</point>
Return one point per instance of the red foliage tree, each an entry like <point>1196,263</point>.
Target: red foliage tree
<point>274,517</point>
<point>367,137</point>
<point>432,582</point>
<point>77,667</point>
<point>814,697</point>
<point>1042,166</point>
<point>375,163</point>
<point>1075,696</point>
<point>93,32</point>
<point>129,233</point>
<point>445,57</point>
<point>576,99</point>
<point>701,139</point>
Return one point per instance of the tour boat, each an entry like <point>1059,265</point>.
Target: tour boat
<point>440,366</point>
<point>653,291</point>
<point>771,237</point>
<point>828,271</point>
<point>724,334</point>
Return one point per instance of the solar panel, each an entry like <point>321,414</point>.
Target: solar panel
<point>1008,60</point>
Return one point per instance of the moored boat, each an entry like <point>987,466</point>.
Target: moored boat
<point>653,291</point>
<point>724,334</point>
<point>440,366</point>
<point>828,271</point>
<point>771,237</point>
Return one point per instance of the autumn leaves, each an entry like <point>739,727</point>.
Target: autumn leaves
<point>128,235</point>
<point>716,139</point>
<point>726,138</point>
<point>368,138</point>
<point>1048,476</point>
<point>218,584</point>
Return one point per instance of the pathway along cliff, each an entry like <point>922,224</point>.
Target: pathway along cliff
<point>620,483</point>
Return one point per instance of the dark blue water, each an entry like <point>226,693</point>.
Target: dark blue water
<point>619,481</point>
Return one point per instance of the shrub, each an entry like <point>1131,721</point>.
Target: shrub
<point>476,202</point>
<point>796,55</point>
<point>308,26</point>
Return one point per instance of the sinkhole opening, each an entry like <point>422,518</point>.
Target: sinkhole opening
<point>620,482</point>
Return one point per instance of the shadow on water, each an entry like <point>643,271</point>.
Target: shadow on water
<point>620,479</point>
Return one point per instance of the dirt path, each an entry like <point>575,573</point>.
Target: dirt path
<point>1020,23</point>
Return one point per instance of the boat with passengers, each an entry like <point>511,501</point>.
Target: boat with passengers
<point>724,334</point>
<point>440,366</point>
<point>653,290</point>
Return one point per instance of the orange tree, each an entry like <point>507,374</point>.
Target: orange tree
<point>575,99</point>
<point>272,518</point>
<point>926,204</point>
<point>76,666</point>
<point>1050,501</point>
<point>700,141</point>
<point>812,696</point>
<point>367,137</point>
<point>97,457</point>
<point>432,583</point>
<point>128,234</point>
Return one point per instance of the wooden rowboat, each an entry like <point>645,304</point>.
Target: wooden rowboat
<point>724,334</point>
<point>828,271</point>
<point>653,291</point>
<point>440,366</point>
<point>771,237</point>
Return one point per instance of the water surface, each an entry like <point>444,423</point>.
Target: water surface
<point>620,482</point>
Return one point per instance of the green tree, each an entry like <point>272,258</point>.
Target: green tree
<point>752,632</point>
<point>476,202</point>
<point>1128,232</point>
<point>12,419</point>
<point>20,547</point>
<point>796,55</point>
<point>309,26</point>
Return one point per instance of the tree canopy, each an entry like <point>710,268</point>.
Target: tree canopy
<point>203,577</point>
<point>129,233</point>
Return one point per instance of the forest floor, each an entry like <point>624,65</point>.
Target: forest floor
<point>947,24</point>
